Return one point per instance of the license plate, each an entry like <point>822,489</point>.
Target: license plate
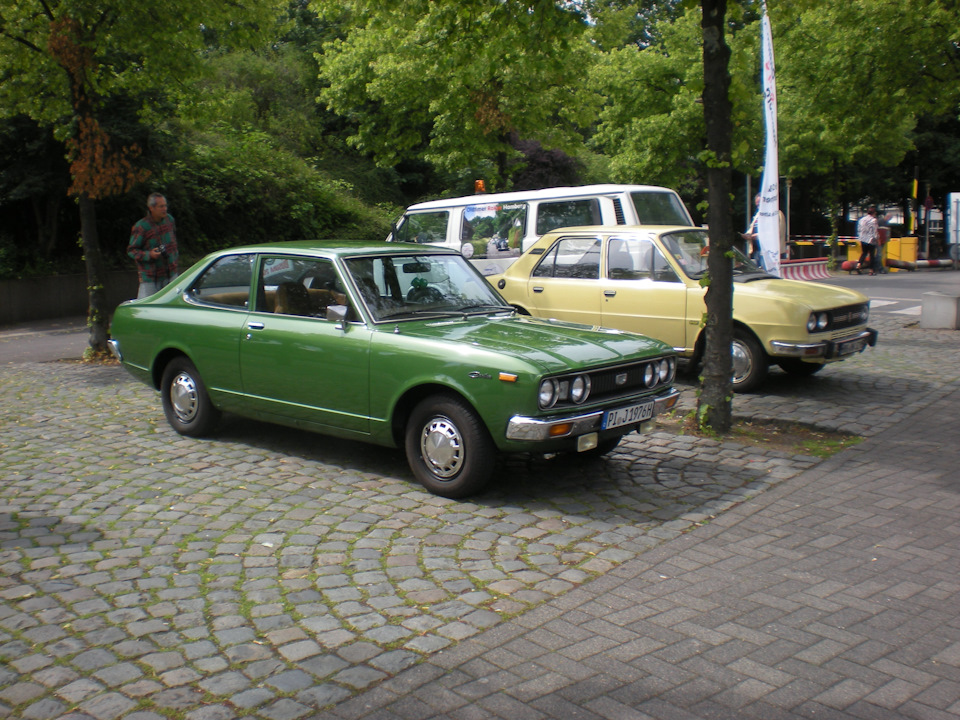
<point>627,415</point>
<point>851,346</point>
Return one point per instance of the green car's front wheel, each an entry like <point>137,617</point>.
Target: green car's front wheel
<point>186,403</point>
<point>448,447</point>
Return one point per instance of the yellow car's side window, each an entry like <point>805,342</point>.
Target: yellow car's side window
<point>577,257</point>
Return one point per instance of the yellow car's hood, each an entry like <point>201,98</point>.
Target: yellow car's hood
<point>816,296</point>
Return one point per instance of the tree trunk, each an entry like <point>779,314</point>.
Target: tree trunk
<point>46,212</point>
<point>97,311</point>
<point>714,406</point>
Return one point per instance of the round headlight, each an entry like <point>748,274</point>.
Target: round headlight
<point>547,397</point>
<point>818,322</point>
<point>580,389</point>
<point>665,370</point>
<point>650,374</point>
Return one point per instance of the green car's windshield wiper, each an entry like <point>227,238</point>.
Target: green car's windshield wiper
<point>485,308</point>
<point>435,312</point>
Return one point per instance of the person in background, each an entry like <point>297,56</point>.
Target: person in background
<point>869,236</point>
<point>752,236</point>
<point>153,247</point>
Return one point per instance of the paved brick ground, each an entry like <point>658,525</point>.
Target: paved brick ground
<point>273,574</point>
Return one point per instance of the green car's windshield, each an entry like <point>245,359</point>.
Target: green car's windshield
<point>395,287</point>
<point>689,248</point>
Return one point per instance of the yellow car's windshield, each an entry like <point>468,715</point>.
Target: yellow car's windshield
<point>690,248</point>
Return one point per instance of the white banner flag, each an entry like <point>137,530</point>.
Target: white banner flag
<point>769,223</point>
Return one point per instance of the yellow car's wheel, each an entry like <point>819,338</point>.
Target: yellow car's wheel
<point>750,362</point>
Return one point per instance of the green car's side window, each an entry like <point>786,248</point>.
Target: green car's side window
<point>226,282</point>
<point>298,286</point>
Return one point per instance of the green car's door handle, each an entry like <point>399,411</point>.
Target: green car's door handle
<point>255,326</point>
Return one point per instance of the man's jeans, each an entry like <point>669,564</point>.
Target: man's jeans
<point>149,288</point>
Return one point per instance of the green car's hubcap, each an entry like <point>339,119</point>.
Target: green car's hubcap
<point>184,397</point>
<point>442,447</point>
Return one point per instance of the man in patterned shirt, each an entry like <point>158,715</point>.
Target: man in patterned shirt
<point>868,234</point>
<point>153,246</point>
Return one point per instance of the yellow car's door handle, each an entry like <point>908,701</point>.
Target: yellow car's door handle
<point>538,288</point>
<point>609,293</point>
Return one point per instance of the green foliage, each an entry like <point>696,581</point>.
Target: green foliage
<point>450,81</point>
<point>852,80</point>
<point>234,188</point>
<point>850,86</point>
<point>128,47</point>
<point>651,124</point>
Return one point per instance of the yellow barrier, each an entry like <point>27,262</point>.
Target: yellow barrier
<point>904,249</point>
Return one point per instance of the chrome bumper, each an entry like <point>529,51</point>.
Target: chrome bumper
<point>530,429</point>
<point>828,349</point>
<point>115,349</point>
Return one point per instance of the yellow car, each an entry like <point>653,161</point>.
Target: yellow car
<point>647,280</point>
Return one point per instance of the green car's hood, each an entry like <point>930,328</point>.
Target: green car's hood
<point>816,296</point>
<point>551,344</point>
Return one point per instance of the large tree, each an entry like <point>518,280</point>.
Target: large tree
<point>854,80</point>
<point>61,63</point>
<point>714,405</point>
<point>853,76</point>
<point>452,80</point>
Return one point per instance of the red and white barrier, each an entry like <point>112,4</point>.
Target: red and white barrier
<point>814,269</point>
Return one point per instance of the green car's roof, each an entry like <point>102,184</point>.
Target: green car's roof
<point>340,248</point>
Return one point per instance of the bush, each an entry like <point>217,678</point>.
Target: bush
<point>235,189</point>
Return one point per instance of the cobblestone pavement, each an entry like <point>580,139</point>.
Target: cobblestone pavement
<point>270,573</point>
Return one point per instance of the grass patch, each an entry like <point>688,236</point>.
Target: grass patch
<point>790,437</point>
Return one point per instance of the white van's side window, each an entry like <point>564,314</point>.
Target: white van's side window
<point>567,213</point>
<point>659,208</point>
<point>428,227</point>
<point>494,227</point>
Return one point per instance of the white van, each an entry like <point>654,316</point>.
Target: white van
<point>493,229</point>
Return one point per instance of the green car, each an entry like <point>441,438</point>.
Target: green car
<point>394,344</point>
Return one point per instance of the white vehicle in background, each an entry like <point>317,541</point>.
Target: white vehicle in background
<point>492,230</point>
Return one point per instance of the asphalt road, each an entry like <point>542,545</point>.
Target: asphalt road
<point>900,293</point>
<point>43,341</point>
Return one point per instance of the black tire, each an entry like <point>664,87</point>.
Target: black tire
<point>448,447</point>
<point>750,363</point>
<point>793,366</point>
<point>185,400</point>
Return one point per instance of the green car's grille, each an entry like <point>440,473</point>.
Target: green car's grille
<point>621,380</point>
<point>608,383</point>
